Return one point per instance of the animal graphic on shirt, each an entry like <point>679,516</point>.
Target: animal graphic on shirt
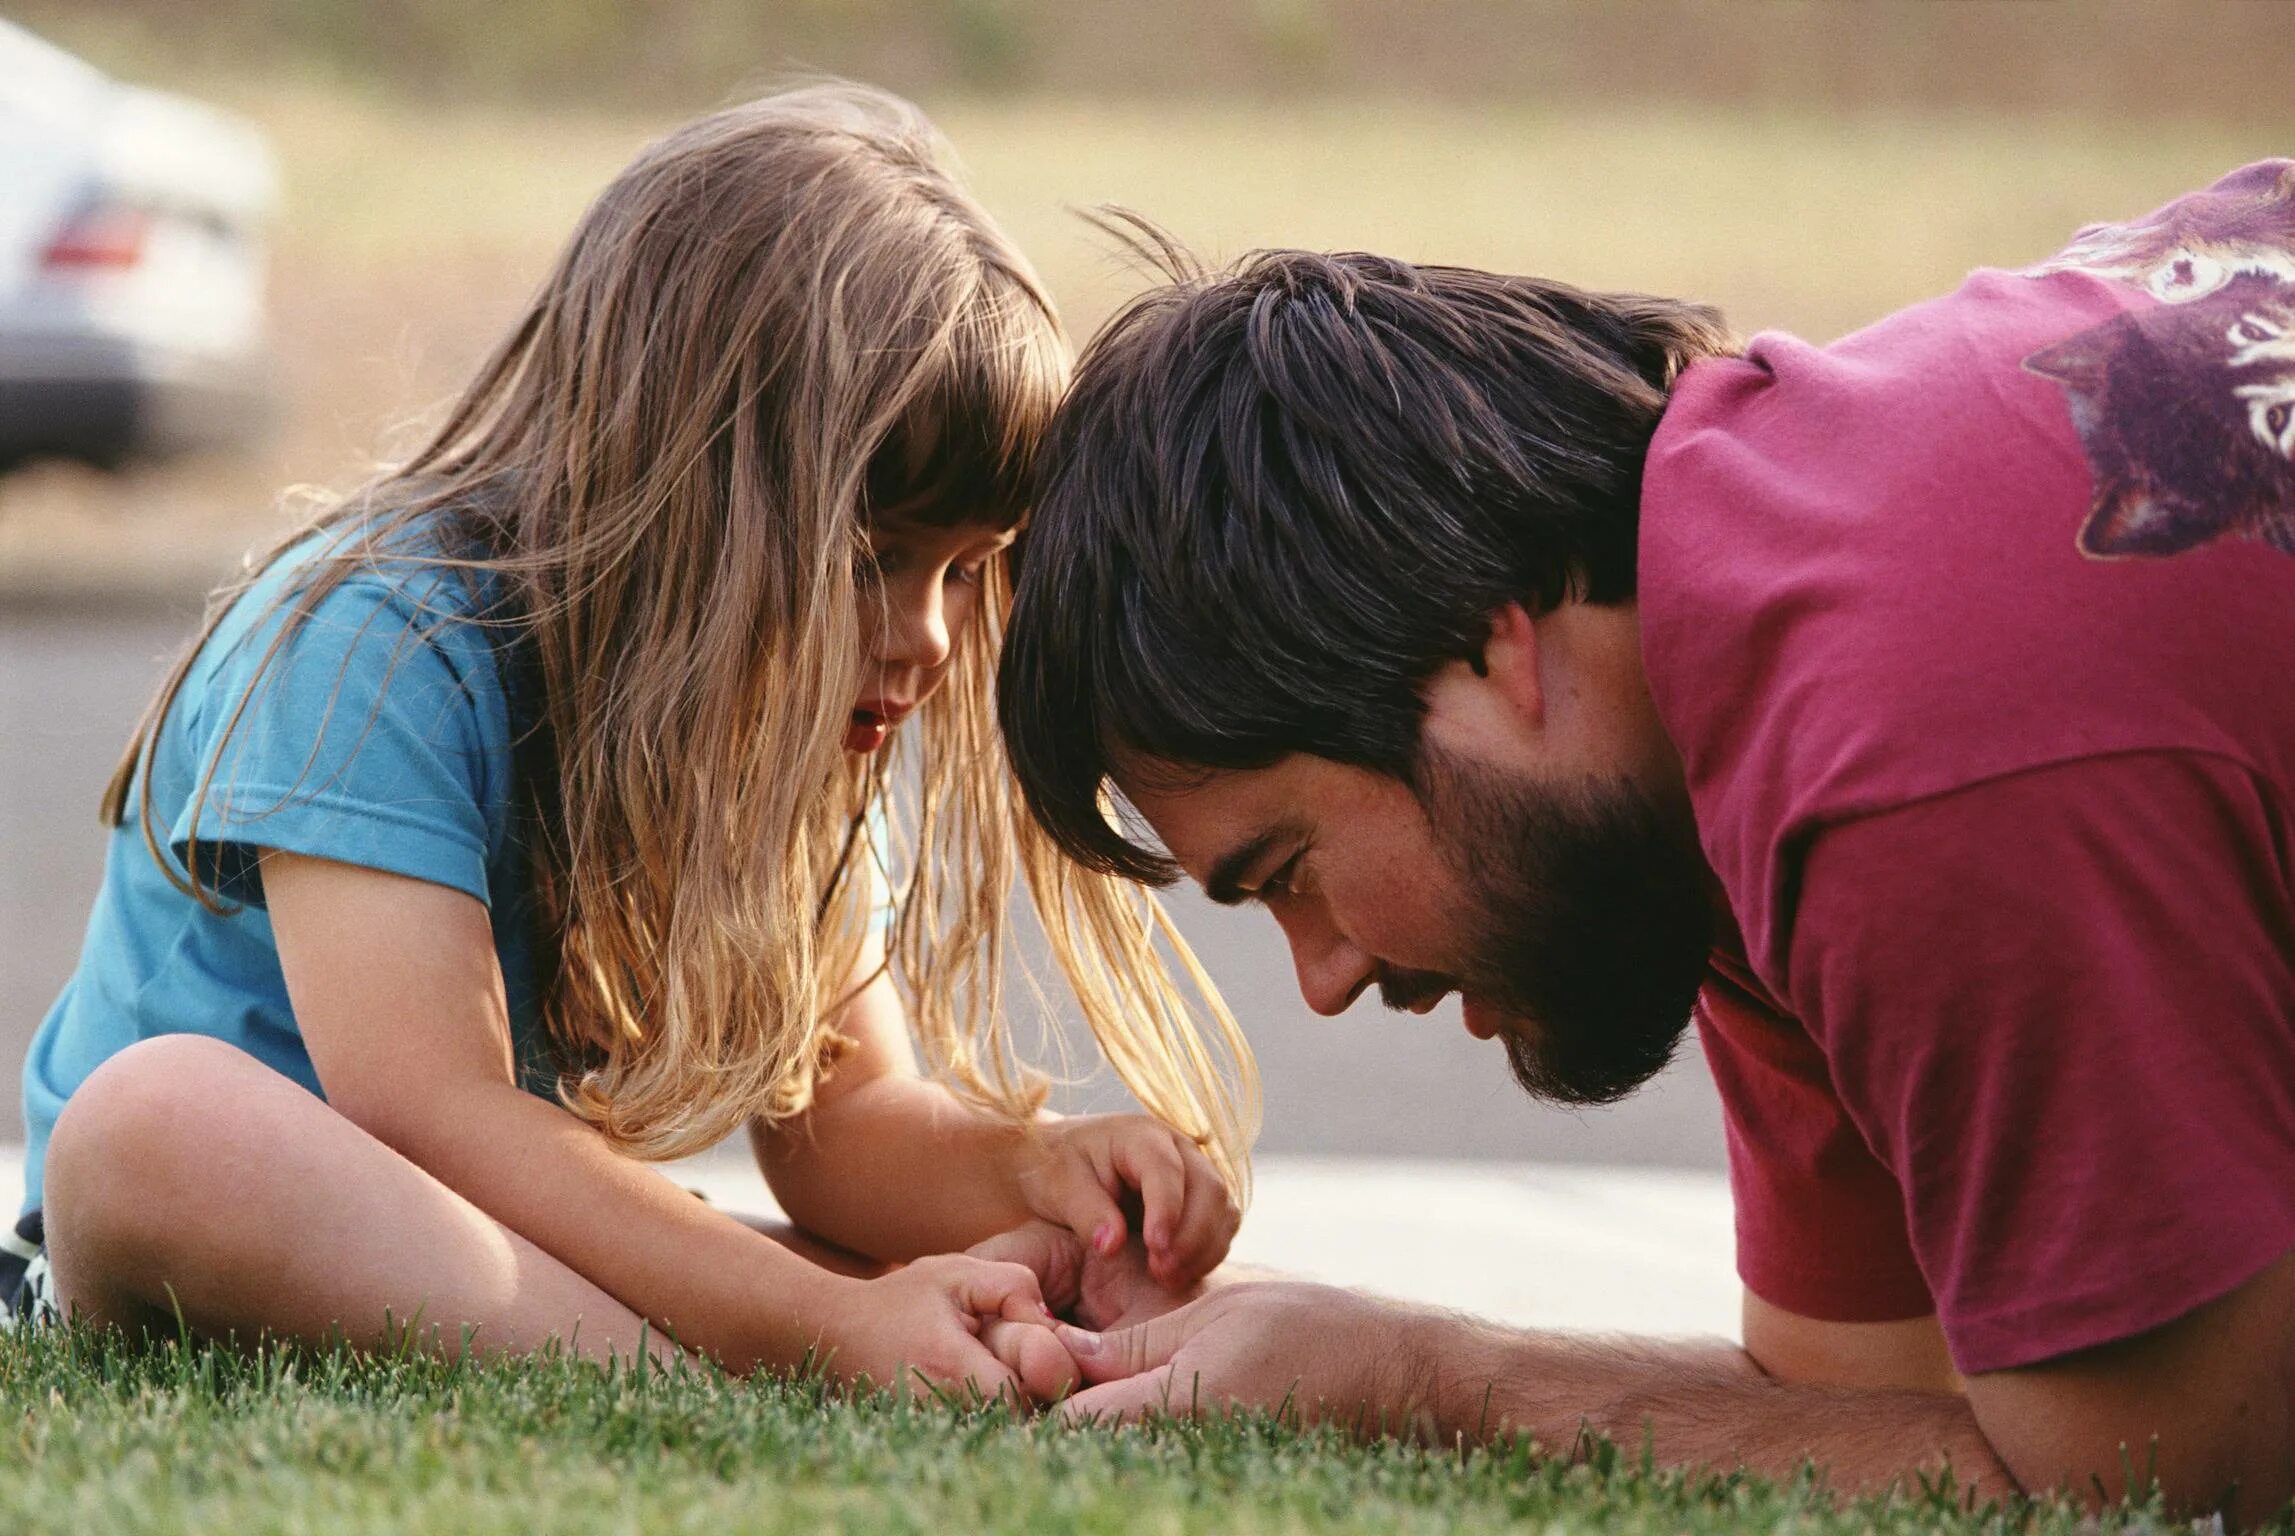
<point>2245,223</point>
<point>2187,415</point>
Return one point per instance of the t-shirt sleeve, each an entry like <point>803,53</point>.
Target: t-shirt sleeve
<point>1820,1223</point>
<point>361,741</point>
<point>2059,1006</point>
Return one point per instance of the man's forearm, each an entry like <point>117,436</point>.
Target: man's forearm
<point>1697,1403</point>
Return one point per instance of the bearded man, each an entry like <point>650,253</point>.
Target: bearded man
<point>1911,712</point>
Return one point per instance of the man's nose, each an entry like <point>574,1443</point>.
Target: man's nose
<point>918,625</point>
<point>1333,970</point>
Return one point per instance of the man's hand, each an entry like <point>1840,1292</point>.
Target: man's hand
<point>1325,1352</point>
<point>1383,1367</point>
<point>1083,1285</point>
<point>2205,1398</point>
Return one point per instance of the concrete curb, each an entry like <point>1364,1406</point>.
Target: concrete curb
<point>1535,1245</point>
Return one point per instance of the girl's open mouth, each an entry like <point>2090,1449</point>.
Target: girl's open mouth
<point>867,732</point>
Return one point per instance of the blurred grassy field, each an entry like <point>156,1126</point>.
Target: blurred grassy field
<point>413,230</point>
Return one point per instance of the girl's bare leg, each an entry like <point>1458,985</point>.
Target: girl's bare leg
<point>184,1174</point>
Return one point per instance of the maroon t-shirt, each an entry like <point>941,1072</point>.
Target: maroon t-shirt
<point>1976,631</point>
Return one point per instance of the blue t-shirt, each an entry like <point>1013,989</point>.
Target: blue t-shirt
<point>381,734</point>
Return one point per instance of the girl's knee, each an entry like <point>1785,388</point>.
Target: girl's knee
<point>131,1182</point>
<point>151,1114</point>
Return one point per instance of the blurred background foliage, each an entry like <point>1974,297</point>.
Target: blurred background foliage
<point>1806,163</point>
<point>2150,58</point>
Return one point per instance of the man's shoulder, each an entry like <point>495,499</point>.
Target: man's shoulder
<point>1828,698</point>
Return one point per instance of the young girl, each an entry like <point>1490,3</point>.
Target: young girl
<point>525,817</point>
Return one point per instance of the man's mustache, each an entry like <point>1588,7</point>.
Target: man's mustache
<point>1405,990</point>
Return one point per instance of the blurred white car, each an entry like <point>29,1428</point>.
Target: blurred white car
<point>132,256</point>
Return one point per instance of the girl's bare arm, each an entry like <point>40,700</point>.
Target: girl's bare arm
<point>400,1000</point>
<point>892,1166</point>
<point>885,1163</point>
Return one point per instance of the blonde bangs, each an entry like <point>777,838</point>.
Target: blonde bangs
<point>964,449</point>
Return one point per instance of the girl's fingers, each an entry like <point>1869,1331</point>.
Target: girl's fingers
<point>1049,1251</point>
<point>1077,1201</point>
<point>979,1368</point>
<point>1207,1224</point>
<point>1009,1291</point>
<point>1035,1357</point>
<point>1153,1166</point>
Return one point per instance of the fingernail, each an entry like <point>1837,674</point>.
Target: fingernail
<point>1078,1341</point>
<point>1108,1239</point>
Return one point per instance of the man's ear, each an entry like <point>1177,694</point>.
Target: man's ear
<point>1492,694</point>
<point>1509,659</point>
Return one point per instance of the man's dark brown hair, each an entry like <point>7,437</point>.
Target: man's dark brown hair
<point>1280,497</point>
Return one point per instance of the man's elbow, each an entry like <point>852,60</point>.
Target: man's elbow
<point>2191,1474</point>
<point>2198,1413</point>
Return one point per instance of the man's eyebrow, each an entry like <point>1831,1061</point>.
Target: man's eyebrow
<point>1225,882</point>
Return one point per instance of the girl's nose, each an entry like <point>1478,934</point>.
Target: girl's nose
<point>919,634</point>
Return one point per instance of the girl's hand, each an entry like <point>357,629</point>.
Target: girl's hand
<point>1035,1356</point>
<point>1102,1292</point>
<point>953,1321</point>
<point>1079,1173</point>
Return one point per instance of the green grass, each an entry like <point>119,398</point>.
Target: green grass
<point>108,1438</point>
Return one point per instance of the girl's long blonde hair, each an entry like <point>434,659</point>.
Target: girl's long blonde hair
<point>780,316</point>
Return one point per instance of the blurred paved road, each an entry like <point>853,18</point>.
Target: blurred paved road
<point>1603,1250</point>
<point>72,680</point>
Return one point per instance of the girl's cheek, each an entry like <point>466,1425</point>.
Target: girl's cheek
<point>876,614</point>
<point>961,603</point>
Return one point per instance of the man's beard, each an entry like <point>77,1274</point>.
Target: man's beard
<point>1587,927</point>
